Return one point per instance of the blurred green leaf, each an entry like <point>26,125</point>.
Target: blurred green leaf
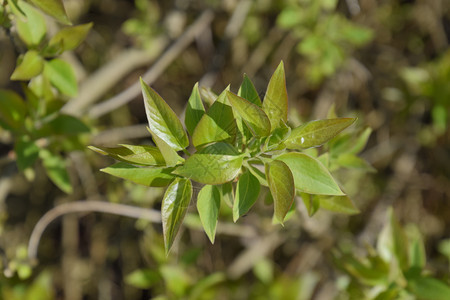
<point>428,288</point>
<point>227,193</point>
<point>176,279</point>
<point>208,204</point>
<point>67,39</point>
<point>61,76</point>
<point>351,161</point>
<point>148,176</point>
<point>215,164</point>
<point>162,120</point>
<point>54,8</point>
<point>27,152</point>
<point>31,29</point>
<point>204,284</point>
<point>282,188</point>
<point>143,278</point>
<point>65,125</point>
<point>248,92</point>
<point>217,124</point>
<point>12,110</point>
<point>310,175</point>
<point>312,203</point>
<point>55,167</point>
<point>275,103</point>
<point>253,116</point>
<point>247,192</point>
<point>41,288</point>
<point>194,110</point>
<point>173,209</point>
<point>141,155</point>
<point>340,204</point>
<point>31,65</point>
<point>316,133</point>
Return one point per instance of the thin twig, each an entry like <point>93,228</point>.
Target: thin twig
<point>152,74</point>
<point>86,206</point>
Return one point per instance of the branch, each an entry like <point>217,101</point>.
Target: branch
<point>86,206</point>
<point>150,76</point>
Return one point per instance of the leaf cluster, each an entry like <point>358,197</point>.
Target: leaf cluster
<point>241,143</point>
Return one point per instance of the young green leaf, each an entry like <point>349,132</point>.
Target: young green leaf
<point>208,204</point>
<point>62,76</point>
<point>215,164</point>
<point>55,166</point>
<point>282,188</point>
<point>54,8</point>
<point>340,204</point>
<point>310,175</point>
<point>194,110</point>
<point>31,65</point>
<point>217,124</point>
<point>173,209</point>
<point>68,38</point>
<point>150,176</point>
<point>278,136</point>
<point>12,110</point>
<point>63,125</point>
<point>275,103</point>
<point>316,133</point>
<point>32,28</point>
<point>162,120</point>
<point>247,191</point>
<point>248,91</point>
<point>253,116</point>
<point>140,155</point>
<point>170,155</point>
<point>351,161</point>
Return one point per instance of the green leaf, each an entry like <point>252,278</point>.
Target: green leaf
<point>56,170</point>
<point>215,164</point>
<point>276,139</point>
<point>217,124</point>
<point>61,76</point>
<point>173,209</point>
<point>31,29</point>
<point>148,176</point>
<point>428,288</point>
<point>351,161</point>
<point>208,204</point>
<point>54,8</point>
<point>27,152</point>
<point>282,188</point>
<point>170,155</point>
<point>177,281</point>
<point>12,110</point>
<point>310,175</point>
<point>253,116</point>
<point>316,133</point>
<point>67,39</point>
<point>275,103</point>
<point>141,155</point>
<point>64,125</point>
<point>248,91</point>
<point>31,65</point>
<point>162,120</point>
<point>143,278</point>
<point>340,204</point>
<point>227,193</point>
<point>194,110</point>
<point>247,192</point>
<point>311,202</point>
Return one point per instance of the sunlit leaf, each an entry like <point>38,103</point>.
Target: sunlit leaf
<point>316,133</point>
<point>141,155</point>
<point>31,65</point>
<point>54,8</point>
<point>61,76</point>
<point>275,103</point>
<point>217,124</point>
<point>253,116</point>
<point>55,167</point>
<point>215,164</point>
<point>208,204</point>
<point>171,157</point>
<point>282,188</point>
<point>162,120</point>
<point>68,38</point>
<point>248,92</point>
<point>310,175</point>
<point>194,110</point>
<point>173,209</point>
<point>32,28</point>
<point>148,176</point>
<point>247,192</point>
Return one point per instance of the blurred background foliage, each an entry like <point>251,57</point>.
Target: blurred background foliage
<point>386,62</point>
